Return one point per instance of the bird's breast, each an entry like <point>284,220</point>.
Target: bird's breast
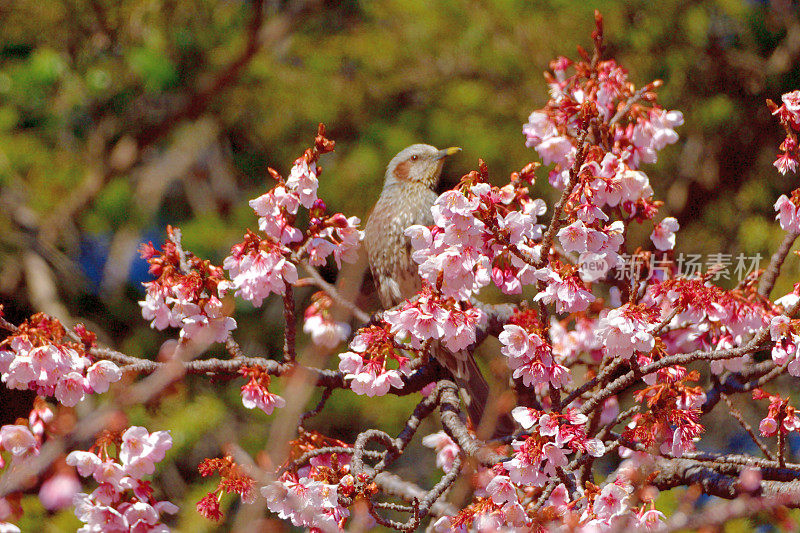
<point>388,248</point>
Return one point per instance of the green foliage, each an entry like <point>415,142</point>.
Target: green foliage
<point>37,518</point>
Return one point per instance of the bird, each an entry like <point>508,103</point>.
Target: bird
<point>406,199</point>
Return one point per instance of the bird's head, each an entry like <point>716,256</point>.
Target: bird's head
<point>419,163</point>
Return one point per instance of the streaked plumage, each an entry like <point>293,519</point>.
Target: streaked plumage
<point>406,200</point>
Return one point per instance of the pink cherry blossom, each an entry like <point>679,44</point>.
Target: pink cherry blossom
<point>611,501</point>
<point>368,377</point>
<point>787,214</point>
<point>325,332</point>
<point>58,492</point>
<point>303,181</point>
<point>446,449</point>
<point>624,331</point>
<point>17,439</point>
<point>123,501</point>
<point>209,325</point>
<point>101,374</point>
<point>538,128</point>
<point>255,395</point>
<point>140,450</point>
<point>663,235</point>
<point>501,490</point>
<point>256,274</point>
<point>85,462</point>
<point>556,149</point>
<point>568,294</point>
<point>573,237</point>
<point>71,389</point>
<point>786,162</point>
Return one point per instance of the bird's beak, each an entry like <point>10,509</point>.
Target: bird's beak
<point>453,150</point>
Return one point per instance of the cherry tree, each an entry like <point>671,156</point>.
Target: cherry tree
<point>614,356</point>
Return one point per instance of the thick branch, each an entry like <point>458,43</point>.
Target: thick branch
<point>672,473</point>
<point>450,409</point>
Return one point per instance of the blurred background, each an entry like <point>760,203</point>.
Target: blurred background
<point>118,117</point>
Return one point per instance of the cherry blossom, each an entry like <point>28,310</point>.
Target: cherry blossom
<point>430,317</point>
<point>787,213</point>
<point>568,293</point>
<point>663,235</point>
<point>446,449</point>
<point>185,293</point>
<point>306,503</point>
<point>303,181</point>
<point>369,377</point>
<point>787,112</point>
<point>17,439</point>
<point>530,357</point>
<point>319,324</point>
<point>41,356</point>
<point>625,330</point>
<point>256,392</point>
<point>123,501</point>
<point>780,415</point>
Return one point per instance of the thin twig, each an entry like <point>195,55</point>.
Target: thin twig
<point>770,275</point>
<point>555,222</point>
<point>781,443</point>
<point>331,291</point>
<point>289,350</point>
<point>625,381</point>
<point>326,393</point>
<point>629,104</point>
<point>739,418</point>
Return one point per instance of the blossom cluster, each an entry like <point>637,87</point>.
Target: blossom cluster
<point>255,393</point>
<point>552,436</point>
<point>480,234</point>
<point>564,287</point>
<point>703,316</point>
<point>780,415</point>
<point>446,449</point>
<point>614,505</point>
<point>41,356</point>
<point>530,356</point>
<point>24,440</point>
<point>185,293</point>
<point>553,130</point>
<point>671,423</point>
<point>785,334</point>
<point>787,209</point>
<point>306,502</point>
<point>308,496</point>
<point>540,457</point>
<point>431,317</point>
<point>626,330</point>
<point>365,366</point>
<point>124,500</point>
<point>789,114</point>
<point>509,507</point>
<point>266,263</point>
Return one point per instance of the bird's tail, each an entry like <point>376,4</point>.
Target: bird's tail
<point>474,391</point>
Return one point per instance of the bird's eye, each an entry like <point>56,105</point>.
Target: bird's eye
<point>414,157</point>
